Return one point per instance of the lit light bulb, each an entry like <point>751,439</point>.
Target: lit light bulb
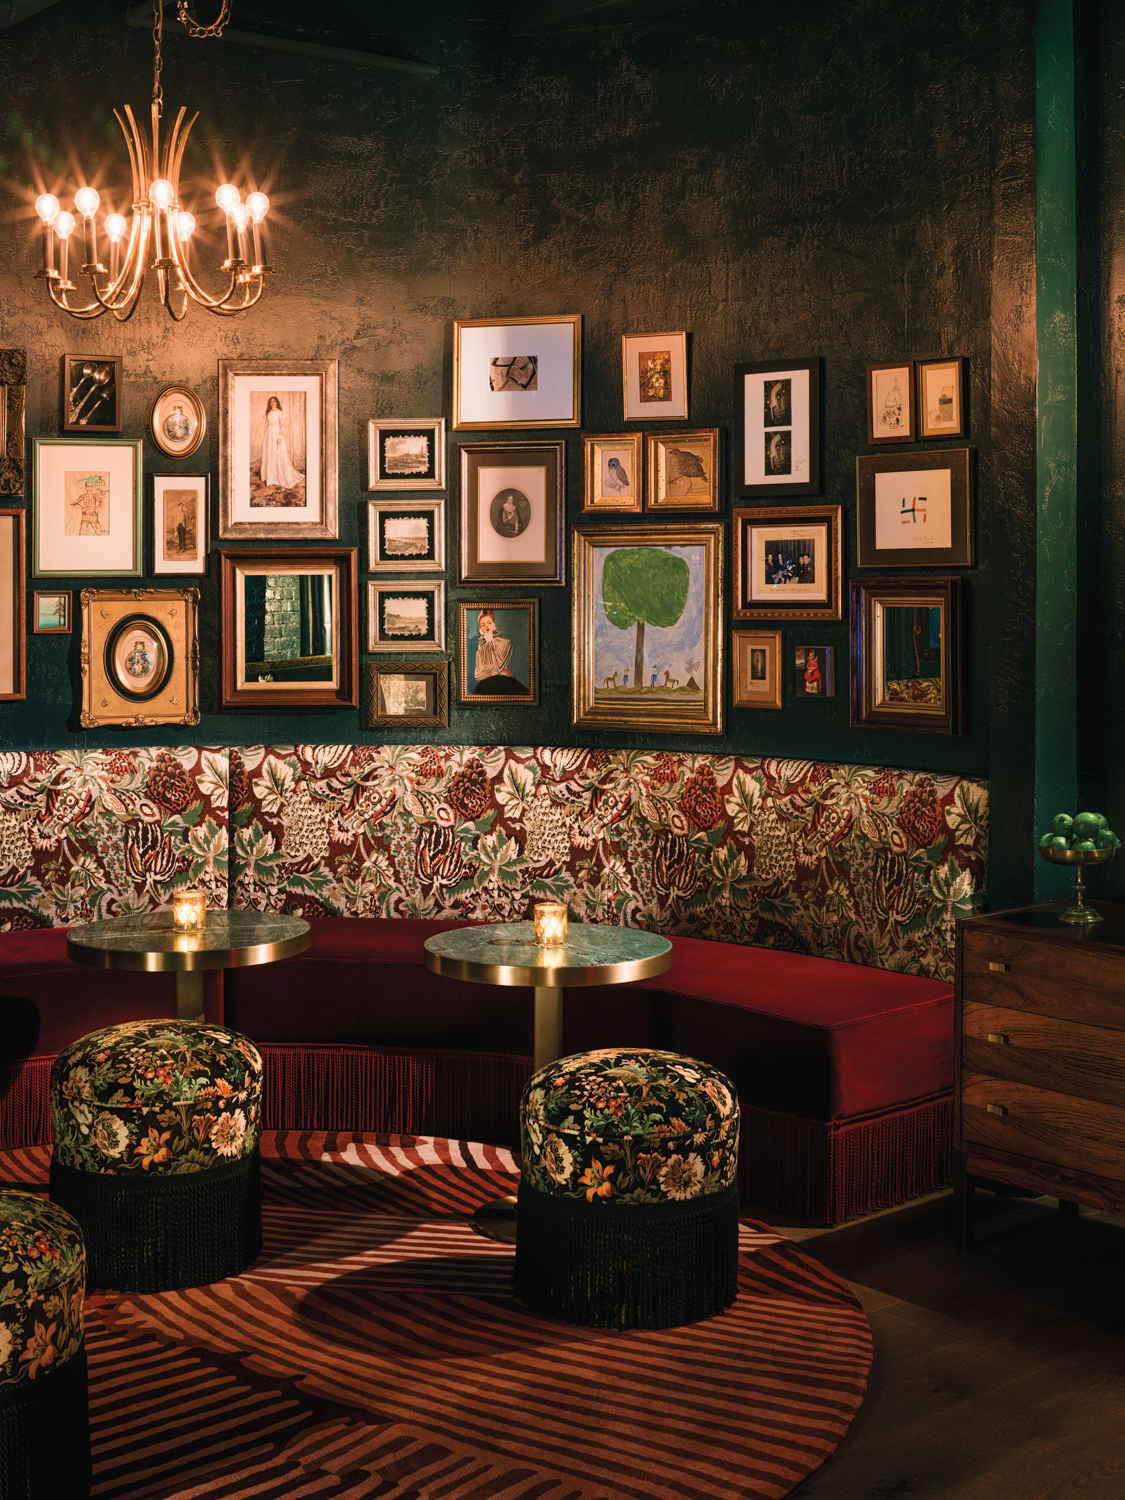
<point>47,207</point>
<point>162,193</point>
<point>259,206</point>
<point>86,201</point>
<point>185,224</point>
<point>64,225</point>
<point>116,227</point>
<point>240,216</point>
<point>227,197</point>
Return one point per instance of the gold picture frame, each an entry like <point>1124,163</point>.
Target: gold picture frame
<point>51,612</point>
<point>407,695</point>
<point>406,453</point>
<point>177,420</point>
<point>683,471</point>
<point>405,615</point>
<point>906,655</point>
<point>517,372</point>
<point>758,668</point>
<point>788,562</point>
<point>13,435</point>
<point>139,657</point>
<point>654,378</point>
<point>505,650</point>
<point>406,536</point>
<point>612,472</point>
<point>941,399</point>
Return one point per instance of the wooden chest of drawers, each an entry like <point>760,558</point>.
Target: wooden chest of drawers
<point>1040,1087</point>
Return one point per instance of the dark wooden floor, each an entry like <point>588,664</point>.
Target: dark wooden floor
<point>999,1375</point>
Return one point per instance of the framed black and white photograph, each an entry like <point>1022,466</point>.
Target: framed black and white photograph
<point>405,616</point>
<point>179,524</point>
<point>654,375</point>
<point>777,428</point>
<point>758,673</point>
<point>406,453</point>
<point>406,536</point>
<point>177,421</point>
<point>407,695</point>
<point>915,509</point>
<point>890,403</point>
<point>788,563</point>
<point>517,372</point>
<point>513,503</point>
<point>91,394</point>
<point>941,399</point>
<point>498,649</point>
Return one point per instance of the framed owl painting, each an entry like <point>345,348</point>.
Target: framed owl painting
<point>683,470</point>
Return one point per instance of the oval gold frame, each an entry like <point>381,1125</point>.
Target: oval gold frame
<point>196,405</point>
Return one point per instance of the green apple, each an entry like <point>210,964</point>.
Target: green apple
<point>1062,823</point>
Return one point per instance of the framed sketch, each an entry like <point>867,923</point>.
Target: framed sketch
<point>654,376</point>
<point>407,695</point>
<point>179,524</point>
<point>13,606</point>
<point>91,393</point>
<point>758,670</point>
<point>140,657</point>
<point>13,402</point>
<point>277,448</point>
<point>406,536</point>
<point>86,503</point>
<point>815,668</point>
<point>177,421</point>
<point>683,470</point>
<point>513,505</point>
<point>517,372</point>
<point>611,472</point>
<point>406,453</point>
<point>905,655</point>
<point>406,616</point>
<point>51,612</point>
<point>914,509</point>
<point>890,403</point>
<point>777,428</point>
<point>788,563</point>
<point>647,637</point>
<point>498,648</point>
<point>289,627</point>
<point>941,399</point>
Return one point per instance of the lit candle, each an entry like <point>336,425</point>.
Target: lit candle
<point>550,924</point>
<point>189,910</point>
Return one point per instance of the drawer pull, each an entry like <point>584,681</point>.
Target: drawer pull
<point>998,1037</point>
<point>999,968</point>
<point>996,1109</point>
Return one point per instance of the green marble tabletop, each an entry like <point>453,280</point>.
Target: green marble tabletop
<point>231,939</point>
<point>507,953</point>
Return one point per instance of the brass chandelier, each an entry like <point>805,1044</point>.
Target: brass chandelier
<point>158,221</point>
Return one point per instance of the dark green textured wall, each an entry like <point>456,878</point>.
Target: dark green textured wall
<point>844,180</point>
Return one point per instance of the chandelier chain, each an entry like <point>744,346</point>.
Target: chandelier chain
<point>193,27</point>
<point>157,60</point>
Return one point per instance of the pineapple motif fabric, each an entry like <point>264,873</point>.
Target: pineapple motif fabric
<point>42,1285</point>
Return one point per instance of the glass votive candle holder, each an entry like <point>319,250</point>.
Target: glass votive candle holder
<point>550,924</point>
<point>189,910</point>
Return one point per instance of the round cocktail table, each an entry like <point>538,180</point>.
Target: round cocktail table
<point>230,940</point>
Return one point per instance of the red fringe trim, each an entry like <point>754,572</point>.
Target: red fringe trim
<point>25,1102</point>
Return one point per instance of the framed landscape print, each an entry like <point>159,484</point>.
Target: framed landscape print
<point>406,616</point>
<point>788,563</point>
<point>612,472</point>
<point>177,421</point>
<point>51,612</point>
<point>13,423</point>
<point>13,606</point>
<point>758,673</point>
<point>86,504</point>
<point>654,375</point>
<point>140,656</point>
<point>915,509</point>
<point>498,649</point>
<point>941,399</point>
<point>513,505</point>
<point>406,453</point>
<point>683,470</point>
<point>277,449</point>
<point>517,372</point>
<point>406,536</point>
<point>179,524</point>
<point>777,428</point>
<point>407,695</point>
<point>289,627</point>
<point>905,655</point>
<point>815,668</point>
<point>647,628</point>
<point>890,403</point>
<point>91,393</point>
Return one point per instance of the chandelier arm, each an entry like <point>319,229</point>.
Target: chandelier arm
<point>175,148</point>
<point>230,312</point>
<point>138,153</point>
<point>112,301</point>
<point>191,286</point>
<point>166,297</point>
<point>92,310</point>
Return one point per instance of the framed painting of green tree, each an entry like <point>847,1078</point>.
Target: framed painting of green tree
<point>647,616</point>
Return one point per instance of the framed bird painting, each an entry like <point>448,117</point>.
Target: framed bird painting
<point>683,470</point>
<point>611,472</point>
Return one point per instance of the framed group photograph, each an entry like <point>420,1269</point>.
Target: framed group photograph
<point>177,421</point>
<point>758,674</point>
<point>86,505</point>
<point>407,695</point>
<point>91,393</point>
<point>13,606</point>
<point>13,434</point>
<point>612,472</point>
<point>890,403</point>
<point>906,655</point>
<point>405,616</point>
<point>498,649</point>
<point>941,399</point>
<point>406,453</point>
<point>683,470</point>
<point>290,627</point>
<point>914,509</point>
<point>51,612</point>
<point>179,524</point>
<point>513,509</point>
<point>777,428</point>
<point>815,669</point>
<point>647,628</point>
<point>517,372</point>
<point>406,536</point>
<point>788,563</point>
<point>277,449</point>
<point>140,656</point>
<point>654,375</point>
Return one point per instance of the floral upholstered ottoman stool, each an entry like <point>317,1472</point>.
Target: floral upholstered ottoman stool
<point>156,1152</point>
<point>44,1411</point>
<point>628,1209</point>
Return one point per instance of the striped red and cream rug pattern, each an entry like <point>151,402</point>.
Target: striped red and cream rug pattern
<point>375,1349</point>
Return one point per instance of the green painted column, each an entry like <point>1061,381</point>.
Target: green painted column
<point>1056,257</point>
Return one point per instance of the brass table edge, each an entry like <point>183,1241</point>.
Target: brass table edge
<point>550,978</point>
<point>171,961</point>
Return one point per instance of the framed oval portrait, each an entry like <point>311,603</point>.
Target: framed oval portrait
<point>178,421</point>
<point>139,657</point>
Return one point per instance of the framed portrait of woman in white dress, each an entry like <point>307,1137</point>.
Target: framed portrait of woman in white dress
<point>277,448</point>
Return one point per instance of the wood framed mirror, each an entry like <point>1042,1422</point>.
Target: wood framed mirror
<point>906,655</point>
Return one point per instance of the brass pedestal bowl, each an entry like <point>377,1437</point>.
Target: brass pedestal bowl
<point>1078,913</point>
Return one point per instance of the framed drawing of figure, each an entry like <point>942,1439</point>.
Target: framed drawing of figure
<point>86,505</point>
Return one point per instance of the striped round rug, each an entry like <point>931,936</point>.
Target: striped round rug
<point>375,1349</point>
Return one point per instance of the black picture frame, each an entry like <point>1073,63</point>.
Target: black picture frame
<point>778,406</point>
<point>91,392</point>
<point>958,462</point>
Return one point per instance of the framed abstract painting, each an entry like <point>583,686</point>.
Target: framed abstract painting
<point>517,372</point>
